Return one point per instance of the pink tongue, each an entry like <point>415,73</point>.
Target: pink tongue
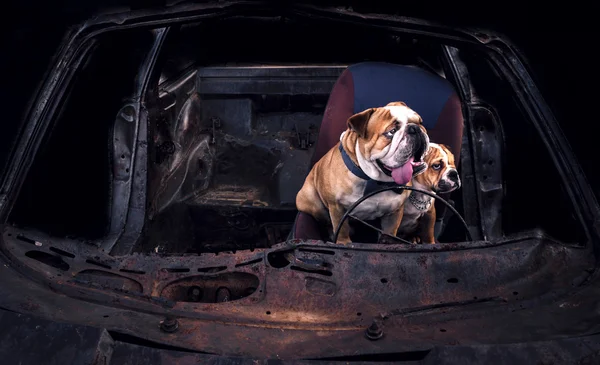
<point>403,174</point>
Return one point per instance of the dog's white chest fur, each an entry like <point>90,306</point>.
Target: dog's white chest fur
<point>373,207</point>
<point>412,214</point>
<point>410,219</point>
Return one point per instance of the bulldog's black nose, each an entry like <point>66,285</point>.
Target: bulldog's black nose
<point>412,129</point>
<point>453,175</point>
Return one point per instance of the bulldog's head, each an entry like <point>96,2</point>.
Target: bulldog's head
<point>441,175</point>
<point>390,142</point>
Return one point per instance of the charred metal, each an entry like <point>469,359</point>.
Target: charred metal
<point>191,248</point>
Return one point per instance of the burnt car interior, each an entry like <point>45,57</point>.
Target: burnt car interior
<point>233,141</point>
<point>168,172</point>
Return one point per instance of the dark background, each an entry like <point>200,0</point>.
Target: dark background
<point>557,41</point>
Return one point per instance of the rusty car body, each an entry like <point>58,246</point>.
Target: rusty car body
<point>118,238</point>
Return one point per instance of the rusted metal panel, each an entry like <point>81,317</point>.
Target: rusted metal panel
<point>26,339</point>
<point>290,300</point>
<point>301,300</point>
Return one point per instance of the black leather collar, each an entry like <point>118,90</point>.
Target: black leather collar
<point>372,185</point>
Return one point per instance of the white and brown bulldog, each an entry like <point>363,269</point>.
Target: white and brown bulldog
<point>381,147</point>
<point>440,176</point>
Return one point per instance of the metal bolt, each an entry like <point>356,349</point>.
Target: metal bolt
<point>375,331</point>
<point>195,293</point>
<point>169,325</point>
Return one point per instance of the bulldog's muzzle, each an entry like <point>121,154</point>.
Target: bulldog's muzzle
<point>449,182</point>
<point>419,141</point>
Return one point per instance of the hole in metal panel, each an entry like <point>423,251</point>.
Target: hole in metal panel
<point>325,252</point>
<point>48,259</point>
<point>109,280</point>
<point>212,269</point>
<point>25,239</point>
<point>248,263</point>
<point>219,288</point>
<point>278,260</point>
<point>61,252</point>
<point>99,264</point>
<point>176,269</point>
<point>318,272</point>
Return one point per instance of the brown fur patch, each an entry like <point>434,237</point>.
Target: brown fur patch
<point>436,156</point>
<point>419,226</point>
<point>329,182</point>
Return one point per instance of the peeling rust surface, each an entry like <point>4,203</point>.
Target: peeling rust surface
<point>26,339</point>
<point>295,300</point>
<point>291,298</point>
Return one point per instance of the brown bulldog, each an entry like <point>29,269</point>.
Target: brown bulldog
<point>419,212</point>
<point>381,147</point>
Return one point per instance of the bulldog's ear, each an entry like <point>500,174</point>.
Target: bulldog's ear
<point>397,103</point>
<point>358,122</point>
<point>445,147</point>
<point>429,148</point>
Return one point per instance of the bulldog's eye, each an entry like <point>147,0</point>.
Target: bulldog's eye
<point>390,133</point>
<point>436,166</point>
